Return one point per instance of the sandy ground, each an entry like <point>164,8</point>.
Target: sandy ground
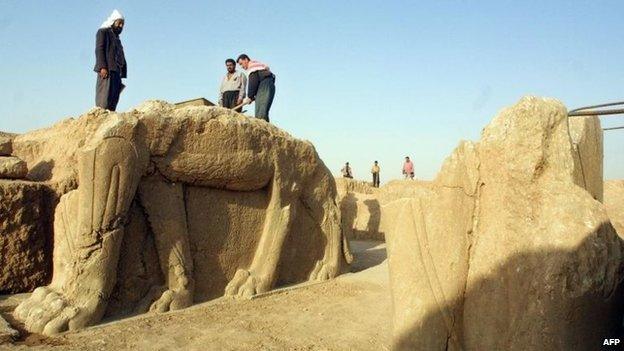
<point>352,312</point>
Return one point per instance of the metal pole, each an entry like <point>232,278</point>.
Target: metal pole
<point>590,110</point>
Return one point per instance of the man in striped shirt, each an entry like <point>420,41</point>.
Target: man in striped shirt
<point>261,86</point>
<point>232,91</point>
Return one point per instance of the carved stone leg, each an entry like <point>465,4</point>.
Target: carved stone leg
<point>331,264</point>
<point>325,211</point>
<point>422,277</point>
<point>261,275</point>
<point>90,225</point>
<point>166,211</point>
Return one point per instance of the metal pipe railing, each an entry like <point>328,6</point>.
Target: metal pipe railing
<point>591,111</point>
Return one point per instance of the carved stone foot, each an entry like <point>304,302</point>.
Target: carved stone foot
<point>324,270</point>
<point>49,312</point>
<point>247,284</point>
<point>172,300</point>
<point>81,300</point>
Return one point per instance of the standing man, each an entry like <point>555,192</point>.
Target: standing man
<point>110,62</point>
<point>261,88</point>
<point>408,168</point>
<point>375,171</point>
<point>232,91</point>
<point>346,171</point>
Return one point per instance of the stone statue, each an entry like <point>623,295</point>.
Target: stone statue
<point>149,155</point>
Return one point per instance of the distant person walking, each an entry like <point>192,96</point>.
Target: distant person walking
<point>261,85</point>
<point>346,171</point>
<point>110,62</point>
<point>233,85</point>
<point>375,171</point>
<point>408,168</point>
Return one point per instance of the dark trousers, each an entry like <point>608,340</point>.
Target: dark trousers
<point>107,91</point>
<point>264,97</point>
<point>376,180</point>
<point>230,99</point>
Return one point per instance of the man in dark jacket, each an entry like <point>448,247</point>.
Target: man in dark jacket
<point>110,62</point>
<point>260,85</point>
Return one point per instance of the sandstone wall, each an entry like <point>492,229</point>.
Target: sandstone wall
<point>360,209</point>
<point>365,215</point>
<point>508,249</point>
<point>614,202</point>
<point>586,134</point>
<point>26,210</point>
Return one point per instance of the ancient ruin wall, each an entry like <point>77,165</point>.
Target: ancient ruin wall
<point>508,249</point>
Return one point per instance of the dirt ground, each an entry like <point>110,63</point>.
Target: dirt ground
<point>352,312</point>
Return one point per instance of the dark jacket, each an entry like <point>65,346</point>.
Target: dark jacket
<point>254,81</point>
<point>109,52</point>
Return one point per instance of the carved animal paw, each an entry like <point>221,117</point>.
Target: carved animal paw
<point>246,284</point>
<point>324,271</point>
<point>49,312</point>
<point>172,300</point>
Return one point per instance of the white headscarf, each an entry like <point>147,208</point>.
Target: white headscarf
<point>112,18</point>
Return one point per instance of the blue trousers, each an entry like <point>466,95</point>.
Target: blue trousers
<point>264,97</point>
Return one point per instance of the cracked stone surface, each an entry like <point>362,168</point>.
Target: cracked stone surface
<point>614,202</point>
<point>12,167</point>
<point>26,212</point>
<point>7,334</point>
<point>508,248</point>
<point>166,206</point>
<point>6,145</point>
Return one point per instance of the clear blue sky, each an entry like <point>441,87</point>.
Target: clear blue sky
<point>362,80</point>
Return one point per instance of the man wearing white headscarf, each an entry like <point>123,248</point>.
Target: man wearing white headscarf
<point>110,62</point>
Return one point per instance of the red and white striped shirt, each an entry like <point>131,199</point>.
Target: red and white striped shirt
<point>256,66</point>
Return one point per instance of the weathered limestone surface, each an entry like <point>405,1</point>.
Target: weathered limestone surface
<point>360,209</point>
<point>614,202</point>
<point>52,153</point>
<point>346,185</point>
<point>428,239</point>
<point>29,238</point>
<point>7,334</point>
<point>361,216</point>
<point>25,235</point>
<point>213,200</point>
<point>6,145</point>
<point>586,134</point>
<point>12,167</point>
<point>364,216</point>
<point>504,250</point>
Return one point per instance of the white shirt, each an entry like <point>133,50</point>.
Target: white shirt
<point>236,82</point>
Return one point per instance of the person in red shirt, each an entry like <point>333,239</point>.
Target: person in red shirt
<point>408,168</point>
<point>260,86</point>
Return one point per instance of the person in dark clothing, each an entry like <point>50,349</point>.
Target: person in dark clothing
<point>346,171</point>
<point>375,171</point>
<point>110,62</point>
<point>260,85</point>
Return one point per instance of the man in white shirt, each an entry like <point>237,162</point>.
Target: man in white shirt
<point>233,85</point>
